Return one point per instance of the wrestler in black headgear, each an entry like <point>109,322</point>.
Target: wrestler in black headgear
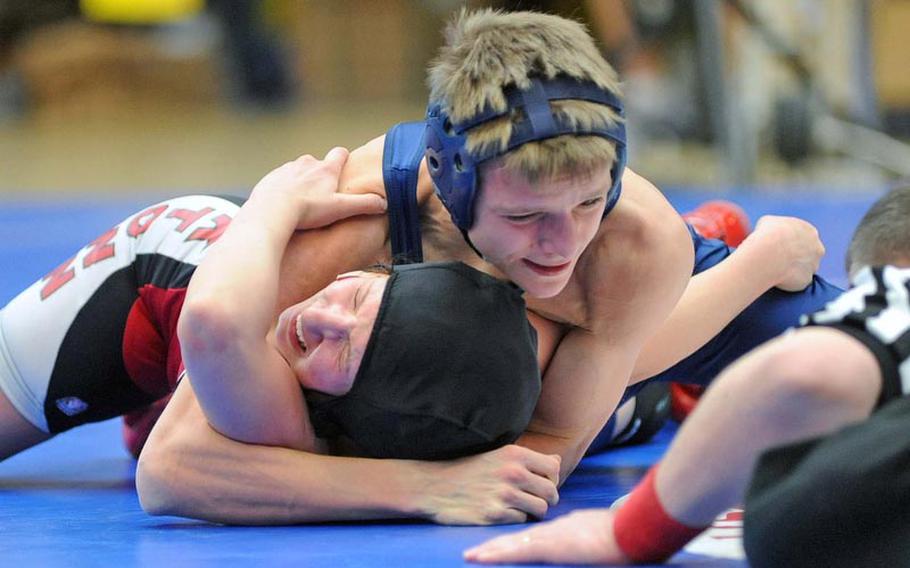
<point>450,369</point>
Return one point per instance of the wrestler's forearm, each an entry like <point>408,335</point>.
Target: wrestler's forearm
<point>260,266</point>
<point>188,469</point>
<point>581,388</point>
<point>793,388</point>
<point>223,326</point>
<point>246,257</point>
<point>271,485</point>
<point>711,300</point>
<point>315,257</point>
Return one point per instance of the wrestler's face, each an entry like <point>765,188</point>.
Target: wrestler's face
<point>535,232</point>
<point>323,338</point>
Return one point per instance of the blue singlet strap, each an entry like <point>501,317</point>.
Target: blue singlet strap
<point>404,148</point>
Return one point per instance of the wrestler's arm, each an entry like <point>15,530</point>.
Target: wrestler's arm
<point>189,469</point>
<point>634,277</point>
<point>781,252</point>
<point>802,385</point>
<point>315,257</point>
<point>241,380</point>
<point>581,388</point>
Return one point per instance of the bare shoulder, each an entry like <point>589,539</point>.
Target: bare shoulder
<point>644,223</point>
<point>363,172</point>
<point>640,260</point>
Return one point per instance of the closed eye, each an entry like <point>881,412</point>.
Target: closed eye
<point>522,218</point>
<point>357,296</point>
<point>592,202</point>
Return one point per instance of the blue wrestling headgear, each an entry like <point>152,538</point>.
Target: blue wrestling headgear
<point>454,169</point>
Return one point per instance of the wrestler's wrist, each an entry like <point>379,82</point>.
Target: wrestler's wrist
<point>439,495</point>
<point>267,216</point>
<point>761,262</point>
<point>271,205</point>
<point>418,499</point>
<point>643,529</point>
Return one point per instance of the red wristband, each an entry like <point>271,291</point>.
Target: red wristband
<point>643,529</point>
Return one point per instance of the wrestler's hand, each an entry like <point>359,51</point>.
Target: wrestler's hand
<point>582,537</point>
<point>506,485</point>
<point>309,185</point>
<point>793,247</point>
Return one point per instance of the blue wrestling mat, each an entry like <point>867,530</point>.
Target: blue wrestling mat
<point>72,501</point>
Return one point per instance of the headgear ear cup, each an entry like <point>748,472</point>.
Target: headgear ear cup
<point>452,167</point>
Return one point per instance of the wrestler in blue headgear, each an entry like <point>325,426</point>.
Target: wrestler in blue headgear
<point>512,68</point>
<point>543,81</point>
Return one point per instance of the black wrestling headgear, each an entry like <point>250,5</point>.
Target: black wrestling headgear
<point>450,369</point>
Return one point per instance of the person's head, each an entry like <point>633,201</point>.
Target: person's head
<point>431,361</point>
<point>324,337</point>
<point>883,235</point>
<point>525,140</point>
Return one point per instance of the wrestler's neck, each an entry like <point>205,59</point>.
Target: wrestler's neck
<point>443,241</point>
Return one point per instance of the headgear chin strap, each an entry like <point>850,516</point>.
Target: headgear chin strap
<point>454,169</point>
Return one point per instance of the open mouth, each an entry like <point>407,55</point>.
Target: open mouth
<point>299,329</point>
<point>546,270</point>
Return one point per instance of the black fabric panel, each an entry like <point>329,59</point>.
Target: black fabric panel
<point>235,199</point>
<point>162,271</point>
<point>838,501</point>
<point>891,379</point>
<point>90,363</point>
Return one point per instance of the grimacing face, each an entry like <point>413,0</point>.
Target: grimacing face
<point>535,232</point>
<point>324,337</point>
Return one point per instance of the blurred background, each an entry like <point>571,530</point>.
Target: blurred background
<point>785,106</point>
<point>126,97</point>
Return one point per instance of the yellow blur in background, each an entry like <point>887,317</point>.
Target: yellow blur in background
<point>140,11</point>
<point>169,96</point>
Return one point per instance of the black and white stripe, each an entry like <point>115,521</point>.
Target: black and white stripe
<point>876,309</point>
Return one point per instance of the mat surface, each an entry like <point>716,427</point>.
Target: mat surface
<point>72,501</point>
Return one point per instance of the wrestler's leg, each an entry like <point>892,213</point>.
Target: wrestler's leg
<point>794,387</point>
<point>94,339</point>
<point>16,433</point>
<point>637,419</point>
<point>768,316</point>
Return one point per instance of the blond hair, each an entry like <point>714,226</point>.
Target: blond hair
<point>486,51</point>
<point>883,234</point>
